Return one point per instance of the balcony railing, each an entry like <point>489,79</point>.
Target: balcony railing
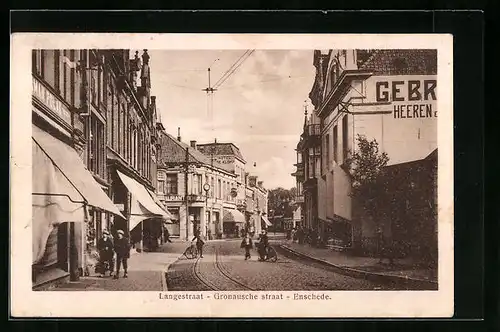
<point>299,199</point>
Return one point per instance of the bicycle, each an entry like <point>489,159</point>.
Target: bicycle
<point>271,254</point>
<point>191,251</point>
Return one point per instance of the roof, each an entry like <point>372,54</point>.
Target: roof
<point>174,151</point>
<point>221,149</point>
<point>403,62</point>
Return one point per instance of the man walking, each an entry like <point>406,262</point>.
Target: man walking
<point>247,244</point>
<point>122,249</point>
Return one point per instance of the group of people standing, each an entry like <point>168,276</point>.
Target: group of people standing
<point>301,235</point>
<point>108,247</point>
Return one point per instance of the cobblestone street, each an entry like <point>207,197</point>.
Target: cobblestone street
<point>224,268</point>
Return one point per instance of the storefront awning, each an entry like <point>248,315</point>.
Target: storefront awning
<point>266,221</point>
<point>233,216</point>
<point>71,166</point>
<point>148,207</point>
<point>55,200</point>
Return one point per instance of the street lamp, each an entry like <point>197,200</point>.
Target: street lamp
<point>206,188</point>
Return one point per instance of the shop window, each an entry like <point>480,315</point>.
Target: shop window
<point>171,187</point>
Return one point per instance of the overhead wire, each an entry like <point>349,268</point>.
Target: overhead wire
<point>230,68</point>
<point>234,68</point>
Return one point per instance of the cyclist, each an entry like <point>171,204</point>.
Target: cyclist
<point>263,245</point>
<point>199,242</point>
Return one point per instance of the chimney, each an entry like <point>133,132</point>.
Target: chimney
<point>179,134</point>
<point>259,184</point>
<point>192,144</point>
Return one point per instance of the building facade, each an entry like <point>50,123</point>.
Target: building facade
<point>251,196</point>
<point>91,122</point>
<point>199,191</point>
<point>387,95</point>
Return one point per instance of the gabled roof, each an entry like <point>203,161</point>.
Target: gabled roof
<point>174,152</point>
<point>221,149</point>
<point>402,62</point>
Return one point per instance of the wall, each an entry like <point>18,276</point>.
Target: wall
<point>408,122</point>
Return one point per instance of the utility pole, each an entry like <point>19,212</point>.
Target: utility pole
<point>186,198</point>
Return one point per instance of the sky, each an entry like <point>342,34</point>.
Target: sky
<point>259,108</point>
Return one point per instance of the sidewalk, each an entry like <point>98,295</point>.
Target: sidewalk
<point>146,272</point>
<point>404,270</point>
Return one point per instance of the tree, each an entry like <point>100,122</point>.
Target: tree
<point>279,199</point>
<point>366,167</point>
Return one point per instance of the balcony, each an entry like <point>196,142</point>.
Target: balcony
<point>299,199</point>
<point>312,135</point>
<point>313,130</point>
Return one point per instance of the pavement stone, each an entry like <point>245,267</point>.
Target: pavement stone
<point>285,274</point>
<point>404,269</point>
<point>146,272</point>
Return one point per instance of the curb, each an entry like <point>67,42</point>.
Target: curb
<point>164,286</point>
<point>372,276</point>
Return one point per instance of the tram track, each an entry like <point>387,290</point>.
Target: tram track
<point>223,276</point>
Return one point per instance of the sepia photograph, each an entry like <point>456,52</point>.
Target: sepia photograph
<point>223,174</point>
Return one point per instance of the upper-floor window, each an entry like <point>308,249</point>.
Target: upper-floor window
<point>171,184</point>
<point>335,143</point>
<point>94,77</point>
<point>219,189</point>
<point>97,151</point>
<point>299,157</point>
<point>345,135</point>
<point>326,153</point>
<point>161,183</point>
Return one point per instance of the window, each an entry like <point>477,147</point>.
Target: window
<point>36,57</point>
<point>102,89</point>
<point>49,67</point>
<point>161,185</point>
<point>345,133</point>
<point>97,152</point>
<point>93,77</point>
<point>212,186</point>
<point>114,119</point>
<point>335,143</point>
<point>219,189</point>
<point>171,184</point>
<point>200,184</point>
<point>68,77</point>
<point>327,148</point>
<point>109,112</point>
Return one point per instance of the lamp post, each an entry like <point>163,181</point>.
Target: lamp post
<point>206,188</point>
